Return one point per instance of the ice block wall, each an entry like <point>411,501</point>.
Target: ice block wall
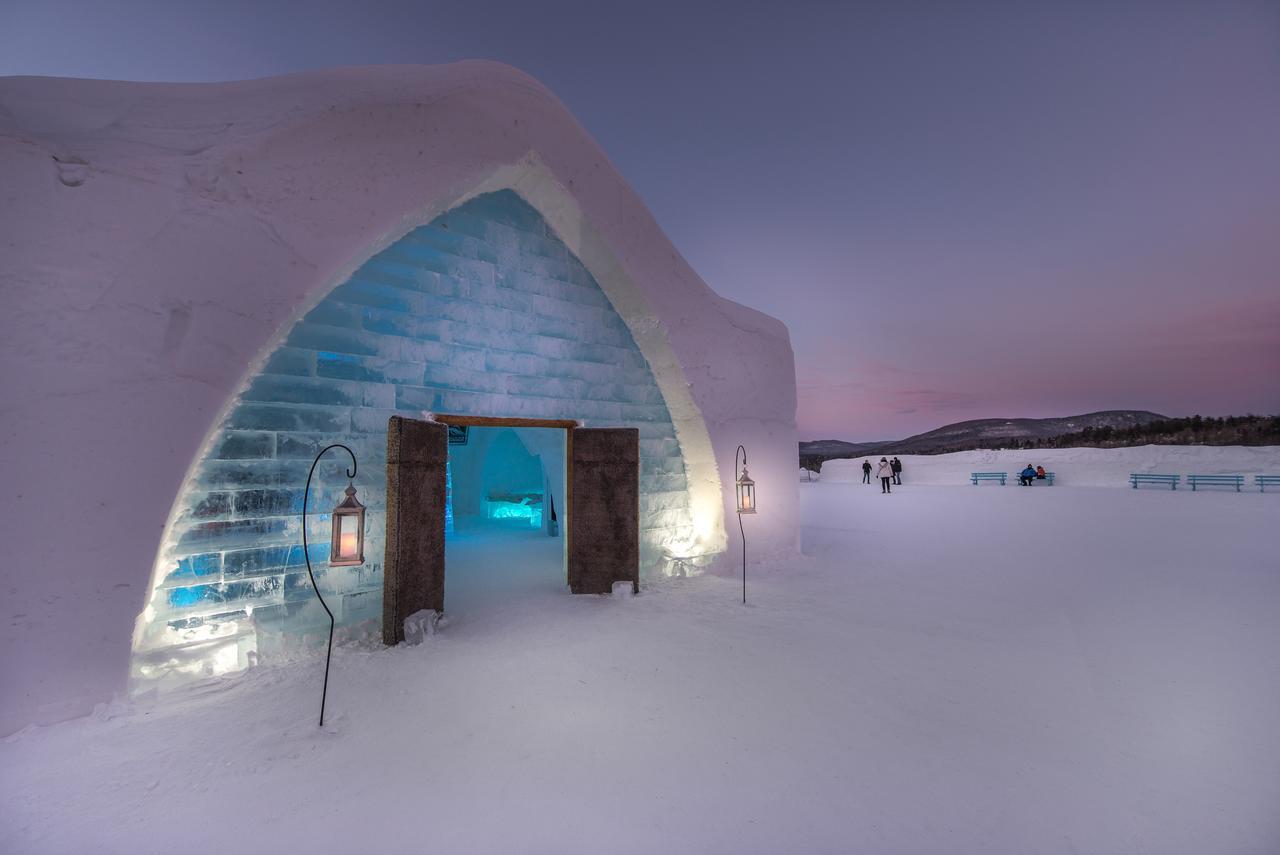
<point>483,311</point>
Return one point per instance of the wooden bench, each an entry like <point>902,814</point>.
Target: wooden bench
<point>1264,481</point>
<point>1236,481</point>
<point>975,477</point>
<point>1136,478</point>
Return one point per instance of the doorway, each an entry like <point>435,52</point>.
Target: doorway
<point>505,495</point>
<point>495,511</point>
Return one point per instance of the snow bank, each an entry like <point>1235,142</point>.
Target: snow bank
<point>1074,467</point>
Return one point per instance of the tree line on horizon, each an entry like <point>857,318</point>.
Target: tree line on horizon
<point>1191,430</point>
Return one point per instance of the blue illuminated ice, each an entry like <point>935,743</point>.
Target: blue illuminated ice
<point>482,312</point>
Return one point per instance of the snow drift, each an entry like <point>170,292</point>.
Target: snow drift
<point>922,683</point>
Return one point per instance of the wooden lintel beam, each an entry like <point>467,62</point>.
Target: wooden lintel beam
<point>493,421</point>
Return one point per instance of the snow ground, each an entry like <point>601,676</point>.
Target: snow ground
<point>1077,467</point>
<point>950,670</point>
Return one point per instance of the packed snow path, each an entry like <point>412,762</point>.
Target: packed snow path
<point>954,669</point>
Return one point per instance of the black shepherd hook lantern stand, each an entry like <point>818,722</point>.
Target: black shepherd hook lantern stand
<point>746,490</point>
<point>347,548</point>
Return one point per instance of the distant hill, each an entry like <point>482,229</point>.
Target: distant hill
<point>836,448</point>
<point>1002,433</point>
<point>979,433</point>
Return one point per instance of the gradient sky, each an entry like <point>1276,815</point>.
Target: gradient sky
<point>961,210</point>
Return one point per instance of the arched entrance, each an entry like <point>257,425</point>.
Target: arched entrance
<point>485,312</point>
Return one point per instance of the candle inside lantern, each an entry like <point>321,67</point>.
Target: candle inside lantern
<point>347,545</point>
<point>746,501</point>
<point>348,541</point>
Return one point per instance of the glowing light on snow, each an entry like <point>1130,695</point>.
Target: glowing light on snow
<point>225,660</point>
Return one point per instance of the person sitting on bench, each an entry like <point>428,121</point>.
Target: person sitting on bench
<point>1026,475</point>
<point>1040,473</point>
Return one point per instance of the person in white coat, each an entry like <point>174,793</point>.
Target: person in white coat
<point>885,473</point>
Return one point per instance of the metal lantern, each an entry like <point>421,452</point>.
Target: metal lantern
<point>746,505</point>
<point>347,549</point>
<point>746,492</point>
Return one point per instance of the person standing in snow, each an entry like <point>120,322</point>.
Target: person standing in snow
<point>896,465</point>
<point>866,472</point>
<point>885,473</point>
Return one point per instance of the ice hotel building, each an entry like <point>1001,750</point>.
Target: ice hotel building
<point>437,267</point>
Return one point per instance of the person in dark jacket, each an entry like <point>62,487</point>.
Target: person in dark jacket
<point>1026,476</point>
<point>866,472</point>
<point>896,464</point>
